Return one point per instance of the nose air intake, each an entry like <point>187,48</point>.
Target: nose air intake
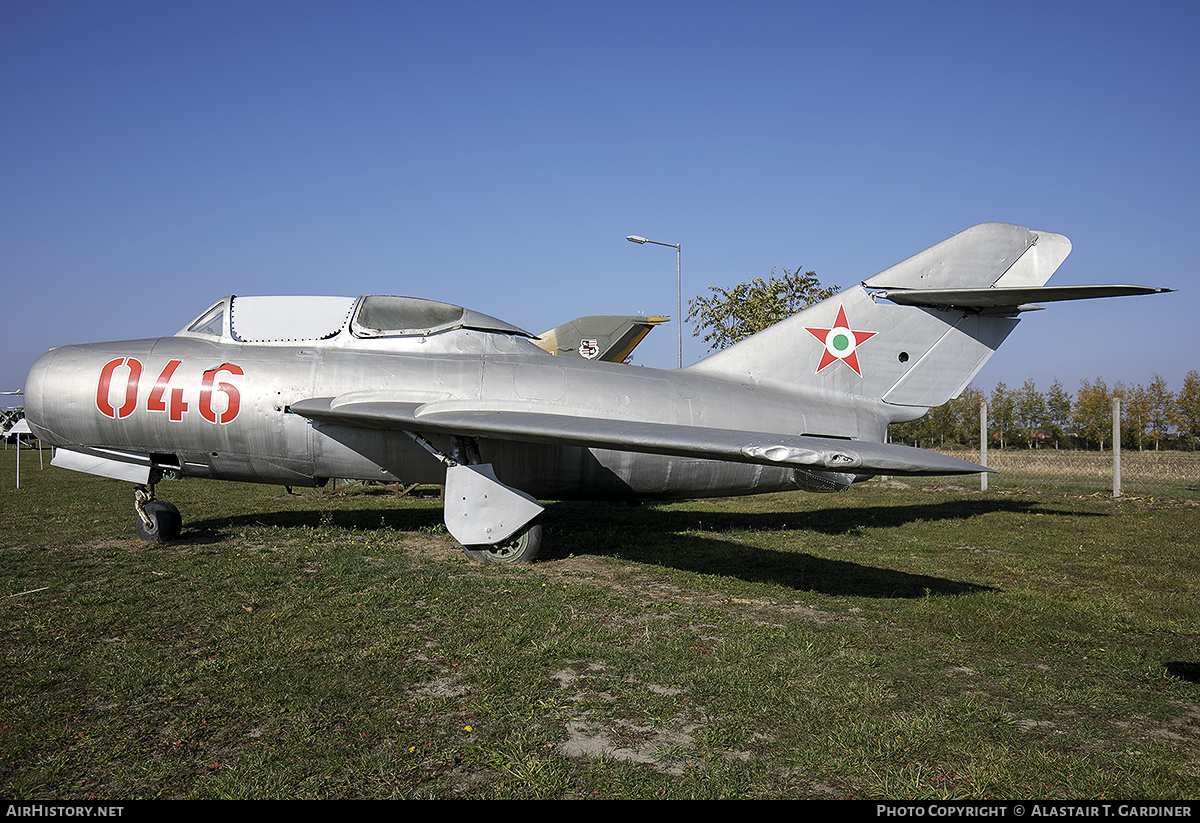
<point>35,389</point>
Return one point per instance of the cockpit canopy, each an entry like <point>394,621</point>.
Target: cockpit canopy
<point>380,316</point>
<point>308,318</point>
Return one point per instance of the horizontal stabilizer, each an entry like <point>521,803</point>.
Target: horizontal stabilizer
<point>1006,298</point>
<point>795,451</point>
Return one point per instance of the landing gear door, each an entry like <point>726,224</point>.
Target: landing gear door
<point>480,510</point>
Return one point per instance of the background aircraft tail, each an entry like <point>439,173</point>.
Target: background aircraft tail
<point>601,337</point>
<point>917,333</point>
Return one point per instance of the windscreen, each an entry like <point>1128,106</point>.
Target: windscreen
<point>212,322</point>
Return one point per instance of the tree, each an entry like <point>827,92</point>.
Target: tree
<point>1161,412</point>
<point>955,423</point>
<point>731,315</point>
<point>1135,413</point>
<point>1058,409</point>
<point>1001,409</point>
<point>1093,411</point>
<point>941,425</point>
<point>1030,411</point>
<point>1187,408</point>
<point>966,413</point>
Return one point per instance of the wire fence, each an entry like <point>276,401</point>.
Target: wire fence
<point>1161,466</point>
<point>1122,471</point>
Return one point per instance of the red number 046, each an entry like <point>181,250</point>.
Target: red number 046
<point>222,409</point>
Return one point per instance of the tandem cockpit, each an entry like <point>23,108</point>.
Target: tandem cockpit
<point>368,322</point>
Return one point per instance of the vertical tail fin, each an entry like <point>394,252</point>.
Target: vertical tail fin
<point>921,353</point>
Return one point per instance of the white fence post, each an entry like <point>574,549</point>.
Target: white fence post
<point>983,425</point>
<point>1116,450</point>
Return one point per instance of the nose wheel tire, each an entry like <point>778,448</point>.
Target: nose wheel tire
<point>165,522</point>
<point>522,547</point>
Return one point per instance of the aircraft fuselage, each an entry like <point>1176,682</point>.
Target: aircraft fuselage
<point>220,409</point>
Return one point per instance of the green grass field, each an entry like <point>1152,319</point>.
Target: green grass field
<point>902,641</point>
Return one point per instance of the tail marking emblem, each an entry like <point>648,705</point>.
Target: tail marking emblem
<point>841,342</point>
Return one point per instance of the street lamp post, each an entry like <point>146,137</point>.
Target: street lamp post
<point>633,238</point>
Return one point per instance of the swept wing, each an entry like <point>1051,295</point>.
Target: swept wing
<point>797,451</point>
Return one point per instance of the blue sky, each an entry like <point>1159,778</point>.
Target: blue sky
<point>155,156</point>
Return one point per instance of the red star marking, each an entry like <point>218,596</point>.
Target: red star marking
<point>841,343</point>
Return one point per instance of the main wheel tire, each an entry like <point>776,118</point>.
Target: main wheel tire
<point>522,547</point>
<point>165,522</point>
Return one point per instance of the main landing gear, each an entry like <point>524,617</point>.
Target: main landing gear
<point>522,547</point>
<point>157,520</point>
<point>493,522</point>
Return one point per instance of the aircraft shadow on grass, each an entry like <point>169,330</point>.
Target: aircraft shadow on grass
<point>697,541</point>
<point>703,542</point>
<point>1184,670</point>
<point>216,529</point>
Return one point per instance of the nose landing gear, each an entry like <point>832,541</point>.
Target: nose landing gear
<point>157,520</point>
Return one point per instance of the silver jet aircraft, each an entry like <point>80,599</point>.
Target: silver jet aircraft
<point>296,390</point>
